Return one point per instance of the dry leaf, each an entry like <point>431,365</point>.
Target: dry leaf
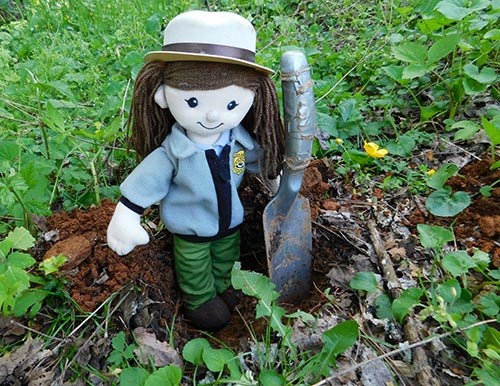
<point>10,331</point>
<point>341,276</point>
<point>374,373</point>
<point>152,350</point>
<point>397,253</point>
<point>77,382</point>
<point>41,377</point>
<point>20,360</point>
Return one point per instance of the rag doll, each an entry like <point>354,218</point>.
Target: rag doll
<point>202,113</point>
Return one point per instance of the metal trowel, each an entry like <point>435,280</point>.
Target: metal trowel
<point>287,218</point>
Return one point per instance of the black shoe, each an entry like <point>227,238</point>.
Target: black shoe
<point>232,298</point>
<point>211,316</point>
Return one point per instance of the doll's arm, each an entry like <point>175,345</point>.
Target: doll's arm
<point>125,231</point>
<point>148,183</point>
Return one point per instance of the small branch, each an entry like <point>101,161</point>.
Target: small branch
<point>345,236</point>
<point>90,316</point>
<point>35,331</point>
<point>96,329</point>
<point>15,119</point>
<point>422,368</point>
<point>461,148</point>
<point>400,350</point>
<point>384,261</point>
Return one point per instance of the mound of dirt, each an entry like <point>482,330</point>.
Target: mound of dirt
<point>94,271</point>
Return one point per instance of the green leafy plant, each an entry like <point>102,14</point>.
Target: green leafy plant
<point>444,202</point>
<point>467,129</point>
<point>122,357</point>
<point>18,296</point>
<point>165,376</point>
<point>199,352</point>
<point>296,367</point>
<point>449,56</point>
<point>122,352</point>
<point>447,298</point>
<point>365,281</point>
<point>492,129</point>
<point>454,303</point>
<point>23,184</point>
<point>399,308</point>
<point>422,60</point>
<point>337,340</point>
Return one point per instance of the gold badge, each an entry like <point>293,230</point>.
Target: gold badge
<point>239,162</point>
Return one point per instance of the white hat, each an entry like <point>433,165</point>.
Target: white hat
<point>222,37</point>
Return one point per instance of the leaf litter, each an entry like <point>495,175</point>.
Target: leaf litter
<point>148,302</point>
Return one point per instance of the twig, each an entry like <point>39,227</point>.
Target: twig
<point>423,370</point>
<point>15,119</point>
<point>35,331</point>
<point>462,149</point>
<point>384,261</point>
<point>90,316</point>
<point>343,236</point>
<point>400,350</point>
<point>96,330</point>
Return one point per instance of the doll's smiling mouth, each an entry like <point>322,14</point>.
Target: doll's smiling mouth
<point>210,128</point>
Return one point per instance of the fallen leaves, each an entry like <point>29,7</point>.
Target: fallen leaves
<point>24,364</point>
<point>151,350</point>
<point>10,330</point>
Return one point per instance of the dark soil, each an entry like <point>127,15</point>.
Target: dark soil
<point>478,226</point>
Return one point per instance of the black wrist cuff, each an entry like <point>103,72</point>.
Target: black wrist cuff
<point>133,207</point>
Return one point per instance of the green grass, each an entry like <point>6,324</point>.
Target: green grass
<point>69,69</point>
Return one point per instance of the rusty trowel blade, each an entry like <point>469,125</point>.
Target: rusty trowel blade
<point>289,244</point>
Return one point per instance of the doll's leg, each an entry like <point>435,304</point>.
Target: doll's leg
<point>225,252</point>
<point>193,265</point>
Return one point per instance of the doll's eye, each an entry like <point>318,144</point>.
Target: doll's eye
<point>192,102</point>
<point>232,105</point>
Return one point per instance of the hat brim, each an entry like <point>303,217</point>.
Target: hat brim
<point>169,56</point>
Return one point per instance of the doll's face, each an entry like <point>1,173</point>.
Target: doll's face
<point>209,112</point>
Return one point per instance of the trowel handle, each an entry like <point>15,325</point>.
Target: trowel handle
<point>300,121</point>
<point>299,109</point>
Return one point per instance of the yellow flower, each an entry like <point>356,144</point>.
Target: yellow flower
<point>339,141</point>
<point>374,151</point>
<point>431,172</point>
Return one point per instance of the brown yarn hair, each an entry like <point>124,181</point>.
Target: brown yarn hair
<point>150,123</point>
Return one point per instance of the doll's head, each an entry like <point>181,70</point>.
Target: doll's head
<point>151,122</point>
<point>206,51</point>
<point>205,114</point>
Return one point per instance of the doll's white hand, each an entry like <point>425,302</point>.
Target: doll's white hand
<point>125,231</point>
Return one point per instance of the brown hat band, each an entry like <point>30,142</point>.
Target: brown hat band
<point>211,49</point>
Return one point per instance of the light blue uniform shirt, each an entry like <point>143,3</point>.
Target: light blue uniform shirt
<point>177,175</point>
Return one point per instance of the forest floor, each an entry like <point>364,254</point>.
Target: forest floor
<point>345,225</point>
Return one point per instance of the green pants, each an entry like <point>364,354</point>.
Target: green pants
<point>204,269</point>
